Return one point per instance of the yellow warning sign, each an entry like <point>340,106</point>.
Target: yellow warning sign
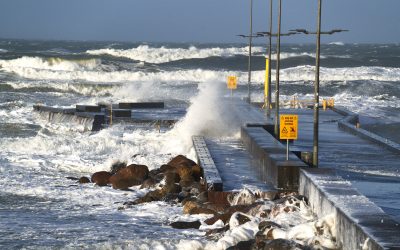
<point>232,82</point>
<point>288,127</point>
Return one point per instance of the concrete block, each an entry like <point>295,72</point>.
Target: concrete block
<point>88,108</point>
<point>204,159</point>
<point>141,105</point>
<point>359,222</point>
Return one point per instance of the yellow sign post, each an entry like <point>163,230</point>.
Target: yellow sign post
<point>288,129</point>
<point>266,85</point>
<point>232,83</point>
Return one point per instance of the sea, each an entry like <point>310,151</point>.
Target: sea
<point>40,208</point>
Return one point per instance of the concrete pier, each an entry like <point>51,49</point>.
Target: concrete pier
<point>360,224</point>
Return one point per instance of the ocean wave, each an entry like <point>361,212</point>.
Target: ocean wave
<point>337,43</point>
<point>149,54</point>
<point>92,70</point>
<point>3,51</point>
<point>162,55</point>
<point>52,63</point>
<point>86,89</point>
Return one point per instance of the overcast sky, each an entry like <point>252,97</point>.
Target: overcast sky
<point>369,21</point>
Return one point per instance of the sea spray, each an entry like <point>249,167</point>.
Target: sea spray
<point>208,115</point>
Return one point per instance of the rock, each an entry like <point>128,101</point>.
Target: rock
<point>216,232</point>
<point>156,174</point>
<point>266,224</point>
<point>129,176</point>
<point>202,197</point>
<point>282,244</point>
<point>238,219</point>
<point>188,206</point>
<point>187,182</point>
<point>117,166</point>
<point>171,197</point>
<point>172,188</point>
<point>223,217</point>
<point>188,199</point>
<point>72,178</point>
<point>192,207</point>
<point>101,178</point>
<point>226,215</point>
<point>184,171</point>
<point>171,177</point>
<point>155,195</point>
<point>183,195</point>
<point>148,183</point>
<point>83,180</point>
<point>167,168</point>
<point>186,225</point>
<point>180,159</point>
<point>244,245</point>
<point>197,172</point>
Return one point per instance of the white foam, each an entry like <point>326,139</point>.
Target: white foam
<point>91,70</point>
<point>55,64</point>
<point>337,43</point>
<point>163,54</point>
<point>3,51</point>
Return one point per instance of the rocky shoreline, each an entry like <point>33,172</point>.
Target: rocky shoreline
<point>247,220</point>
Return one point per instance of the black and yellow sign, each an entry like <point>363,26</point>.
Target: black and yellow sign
<point>288,127</point>
<point>232,82</point>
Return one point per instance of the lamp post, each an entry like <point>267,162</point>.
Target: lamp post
<point>269,34</point>
<point>316,84</point>
<point>278,65</point>
<point>250,45</point>
<point>269,61</point>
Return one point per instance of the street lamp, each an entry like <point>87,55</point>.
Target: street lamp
<point>316,84</point>
<point>278,66</point>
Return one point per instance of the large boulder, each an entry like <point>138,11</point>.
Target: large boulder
<point>179,160</point>
<point>197,172</point>
<point>171,177</point>
<point>129,176</point>
<point>192,207</point>
<point>186,224</point>
<point>101,178</point>
<point>83,180</point>
<point>172,188</point>
<point>117,166</point>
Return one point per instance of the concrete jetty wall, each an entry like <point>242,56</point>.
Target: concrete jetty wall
<point>360,224</point>
<point>349,124</point>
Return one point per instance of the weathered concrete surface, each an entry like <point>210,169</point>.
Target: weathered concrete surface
<point>141,105</point>
<point>270,157</point>
<point>359,222</point>
<point>349,124</point>
<point>98,116</point>
<point>204,159</point>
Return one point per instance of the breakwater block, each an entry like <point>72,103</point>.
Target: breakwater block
<point>120,112</point>
<point>141,105</point>
<point>41,108</point>
<point>270,157</point>
<point>360,224</point>
<point>88,108</point>
<point>204,159</point>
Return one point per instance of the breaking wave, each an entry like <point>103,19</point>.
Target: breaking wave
<point>53,63</point>
<point>162,55</point>
<point>92,70</point>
